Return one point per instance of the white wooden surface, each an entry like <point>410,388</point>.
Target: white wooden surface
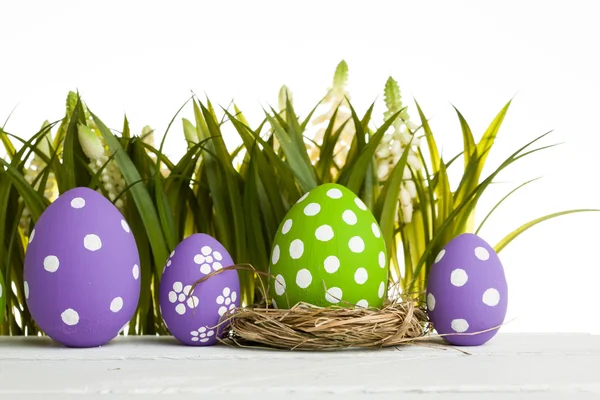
<point>512,366</point>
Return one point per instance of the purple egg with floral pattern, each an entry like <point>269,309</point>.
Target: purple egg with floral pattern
<point>467,291</point>
<point>192,316</point>
<point>82,274</point>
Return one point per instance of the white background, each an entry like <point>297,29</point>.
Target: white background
<point>145,58</point>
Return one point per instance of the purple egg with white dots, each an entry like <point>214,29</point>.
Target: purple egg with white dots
<point>193,317</point>
<point>467,291</point>
<point>82,274</point>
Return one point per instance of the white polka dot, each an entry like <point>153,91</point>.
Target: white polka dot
<point>359,203</point>
<point>178,287</point>
<point>296,249</point>
<point>287,225</point>
<point>233,296</point>
<point>220,299</point>
<point>181,297</point>
<point>192,302</point>
<point>459,277</point>
<point>92,242</point>
<point>491,297</point>
<point>78,202</point>
<point>172,254</point>
<point>25,288</point>
<point>116,304</point>
<point>180,309</point>
<point>331,264</point>
<point>439,257</point>
<point>206,250</point>
<point>169,263</point>
<point>209,259</point>
<point>32,236</point>
<point>376,230</point>
<point>199,259</point>
<point>459,325</point>
<point>362,304</point>
<point>334,295</point>
<point>349,217</point>
<point>361,276</point>
<point>381,289</point>
<point>172,297</point>
<point>381,259</point>
<point>356,244</point>
<point>222,310</point>
<point>227,301</point>
<point>482,253</point>
<point>136,272</point>
<point>303,278</point>
<point>274,303</point>
<point>125,226</point>
<point>205,269</point>
<point>334,193</point>
<point>324,233</point>
<point>275,255</point>
<point>70,317</point>
<point>226,291</point>
<point>312,209</point>
<point>279,285</point>
<point>194,333</point>
<point>302,198</point>
<point>51,263</point>
<point>430,302</point>
<point>218,256</point>
<point>217,266</point>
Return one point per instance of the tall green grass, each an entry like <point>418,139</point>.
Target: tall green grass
<point>242,206</point>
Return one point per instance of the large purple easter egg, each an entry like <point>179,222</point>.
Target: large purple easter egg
<point>82,274</point>
<point>467,291</point>
<point>192,316</point>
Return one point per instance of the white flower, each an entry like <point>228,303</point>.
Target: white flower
<point>202,335</point>
<point>227,301</point>
<point>90,142</point>
<point>180,295</point>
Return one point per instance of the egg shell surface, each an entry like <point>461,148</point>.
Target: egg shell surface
<point>329,250</point>
<point>192,316</point>
<point>82,274</point>
<point>467,291</point>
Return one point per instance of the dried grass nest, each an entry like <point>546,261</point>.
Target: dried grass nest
<point>308,327</point>
<point>402,320</point>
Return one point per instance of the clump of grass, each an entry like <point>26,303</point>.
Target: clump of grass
<point>243,205</point>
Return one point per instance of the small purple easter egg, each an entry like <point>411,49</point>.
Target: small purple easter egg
<point>467,291</point>
<point>192,316</point>
<point>82,274</point>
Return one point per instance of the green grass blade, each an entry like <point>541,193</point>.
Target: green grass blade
<point>10,148</point>
<point>303,170</point>
<point>387,205</point>
<point>489,214</point>
<point>470,148</point>
<point>140,196</point>
<point>431,144</point>
<point>514,234</point>
<point>359,169</point>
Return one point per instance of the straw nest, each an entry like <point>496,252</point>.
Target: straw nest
<point>308,327</point>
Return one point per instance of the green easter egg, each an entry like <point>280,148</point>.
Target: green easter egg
<point>2,296</point>
<point>329,250</point>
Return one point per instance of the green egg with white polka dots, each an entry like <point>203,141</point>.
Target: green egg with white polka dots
<point>329,250</point>
<point>2,296</point>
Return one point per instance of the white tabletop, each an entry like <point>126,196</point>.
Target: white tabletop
<point>511,366</point>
